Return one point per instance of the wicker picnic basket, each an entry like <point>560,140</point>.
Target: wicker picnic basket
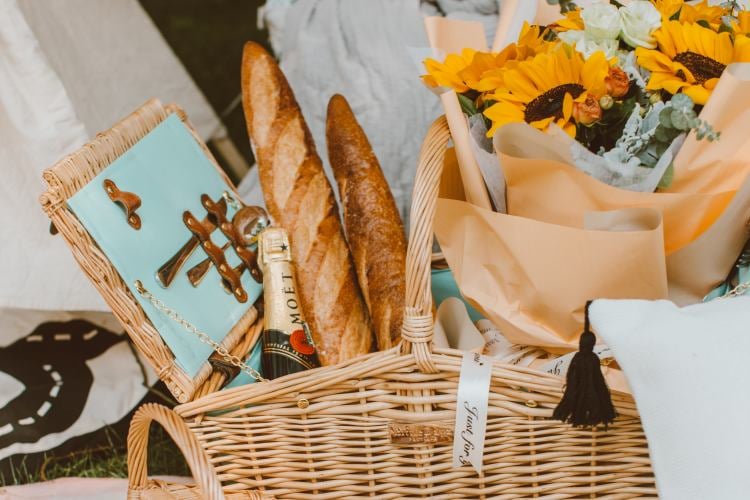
<point>379,426</point>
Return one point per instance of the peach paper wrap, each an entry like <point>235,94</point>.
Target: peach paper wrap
<point>530,277</point>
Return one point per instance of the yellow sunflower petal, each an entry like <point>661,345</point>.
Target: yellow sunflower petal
<point>711,84</point>
<point>723,51</point>
<point>741,49</point>
<point>664,41</point>
<point>570,129</point>
<point>502,113</point>
<point>697,93</point>
<point>594,72</point>
<point>567,107</point>
<point>543,123</point>
<point>652,60</point>
<point>666,81</point>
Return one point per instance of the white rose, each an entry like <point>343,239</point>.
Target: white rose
<point>571,37</point>
<point>601,21</point>
<point>639,20</point>
<point>587,45</point>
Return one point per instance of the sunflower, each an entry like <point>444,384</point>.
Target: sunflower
<point>668,8</point>
<point>446,74</point>
<point>549,89</point>
<point>571,21</point>
<point>741,25</point>
<point>490,79</point>
<point>702,12</point>
<point>482,71</point>
<point>690,59</point>
<point>691,13</point>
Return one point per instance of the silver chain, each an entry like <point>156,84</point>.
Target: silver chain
<point>737,291</point>
<point>203,337</point>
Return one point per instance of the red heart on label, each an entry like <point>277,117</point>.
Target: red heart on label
<point>298,339</point>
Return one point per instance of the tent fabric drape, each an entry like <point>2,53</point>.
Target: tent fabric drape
<point>38,125</point>
<point>69,69</point>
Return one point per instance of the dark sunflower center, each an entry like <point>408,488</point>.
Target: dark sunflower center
<point>703,68</point>
<point>551,102</point>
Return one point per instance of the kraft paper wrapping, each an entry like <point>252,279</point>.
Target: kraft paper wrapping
<point>471,175</point>
<point>541,186</point>
<point>532,278</point>
<point>705,167</point>
<point>448,36</point>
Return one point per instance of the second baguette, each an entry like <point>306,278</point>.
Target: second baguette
<point>371,219</point>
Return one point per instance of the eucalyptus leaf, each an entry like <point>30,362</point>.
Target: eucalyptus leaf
<point>679,120</point>
<point>682,101</point>
<point>665,117</point>
<point>662,134</point>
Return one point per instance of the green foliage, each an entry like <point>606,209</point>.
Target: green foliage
<point>733,7</point>
<point>604,133</point>
<point>467,105</point>
<point>109,460</point>
<point>565,5</point>
<point>680,116</point>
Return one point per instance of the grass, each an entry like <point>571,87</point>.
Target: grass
<point>105,460</point>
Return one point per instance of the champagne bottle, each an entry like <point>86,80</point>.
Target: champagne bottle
<point>287,343</point>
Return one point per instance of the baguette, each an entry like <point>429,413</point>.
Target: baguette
<point>300,198</point>
<point>373,226</point>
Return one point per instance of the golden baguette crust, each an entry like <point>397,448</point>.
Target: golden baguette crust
<point>373,226</point>
<point>300,198</point>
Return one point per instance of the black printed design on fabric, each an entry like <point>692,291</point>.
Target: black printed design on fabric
<point>51,363</point>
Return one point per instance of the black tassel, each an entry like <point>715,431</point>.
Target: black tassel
<point>586,402</point>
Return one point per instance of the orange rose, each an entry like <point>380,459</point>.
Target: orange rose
<point>617,82</point>
<point>588,111</point>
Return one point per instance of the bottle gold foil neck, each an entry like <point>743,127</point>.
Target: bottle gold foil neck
<point>273,246</point>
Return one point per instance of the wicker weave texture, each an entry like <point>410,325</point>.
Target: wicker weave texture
<point>325,433</point>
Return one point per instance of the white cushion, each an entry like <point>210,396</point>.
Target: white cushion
<point>690,375</point>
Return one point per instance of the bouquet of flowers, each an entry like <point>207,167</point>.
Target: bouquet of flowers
<point>627,82</point>
<point>601,154</point>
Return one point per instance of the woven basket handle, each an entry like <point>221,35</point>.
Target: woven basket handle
<point>201,469</point>
<point>417,329</point>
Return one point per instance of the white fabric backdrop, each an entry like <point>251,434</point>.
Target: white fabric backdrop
<point>69,69</point>
<point>111,58</point>
<point>357,48</point>
<point>361,49</point>
<point>38,125</point>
